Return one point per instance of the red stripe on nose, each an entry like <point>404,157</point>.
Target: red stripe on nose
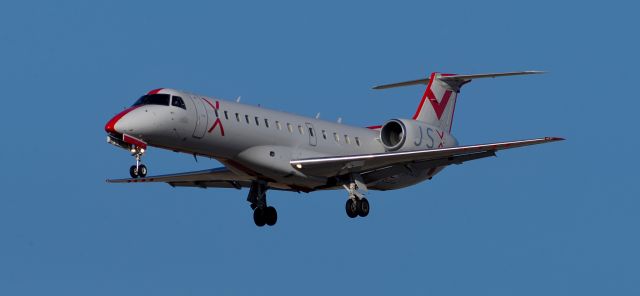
<point>110,127</point>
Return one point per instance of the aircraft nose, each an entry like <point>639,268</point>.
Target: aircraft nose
<point>110,127</point>
<point>138,122</point>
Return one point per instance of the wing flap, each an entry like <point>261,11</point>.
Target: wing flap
<point>334,166</point>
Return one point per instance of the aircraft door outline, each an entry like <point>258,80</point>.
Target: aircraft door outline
<point>313,139</point>
<point>202,117</point>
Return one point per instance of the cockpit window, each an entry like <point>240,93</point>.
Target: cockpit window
<point>157,99</point>
<point>178,102</point>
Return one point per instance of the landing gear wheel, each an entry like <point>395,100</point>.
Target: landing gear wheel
<point>133,171</point>
<point>142,171</point>
<point>258,216</point>
<point>352,208</point>
<point>270,216</point>
<point>363,207</point>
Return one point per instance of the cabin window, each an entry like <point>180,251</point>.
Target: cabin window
<point>289,127</point>
<point>278,125</point>
<point>336,137</point>
<point>216,111</point>
<point>300,129</point>
<point>257,121</point>
<point>246,118</point>
<point>346,139</point>
<point>311,132</point>
<point>178,102</point>
<point>226,115</point>
<point>238,117</point>
<point>266,122</point>
<point>357,141</point>
<point>324,134</point>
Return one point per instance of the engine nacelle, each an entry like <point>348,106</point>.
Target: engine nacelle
<point>407,134</point>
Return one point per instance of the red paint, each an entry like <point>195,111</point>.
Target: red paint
<point>217,104</point>
<point>111,124</point>
<point>217,122</point>
<point>134,141</point>
<point>374,127</point>
<point>155,91</point>
<point>438,107</point>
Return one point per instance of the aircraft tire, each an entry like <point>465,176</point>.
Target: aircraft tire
<point>270,216</point>
<point>133,171</point>
<point>142,171</point>
<point>363,207</point>
<point>258,216</point>
<point>352,208</point>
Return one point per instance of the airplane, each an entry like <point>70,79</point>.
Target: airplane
<point>264,149</point>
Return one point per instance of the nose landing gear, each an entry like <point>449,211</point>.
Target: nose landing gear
<point>138,169</point>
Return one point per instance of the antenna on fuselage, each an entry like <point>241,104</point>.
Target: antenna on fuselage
<point>238,99</point>
<point>339,119</point>
<point>318,115</point>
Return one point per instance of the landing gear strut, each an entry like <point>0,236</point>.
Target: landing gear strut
<point>357,204</point>
<point>138,169</point>
<point>262,214</point>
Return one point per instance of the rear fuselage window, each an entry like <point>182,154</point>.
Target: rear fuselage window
<point>246,118</point>
<point>266,122</point>
<point>257,121</point>
<point>157,99</point>
<point>324,134</point>
<point>226,115</point>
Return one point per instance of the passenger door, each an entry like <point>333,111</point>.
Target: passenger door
<point>313,140</point>
<point>202,119</point>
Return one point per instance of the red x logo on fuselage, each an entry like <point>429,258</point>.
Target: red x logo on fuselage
<point>217,122</point>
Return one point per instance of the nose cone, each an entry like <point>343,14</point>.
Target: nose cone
<point>110,127</point>
<point>137,122</point>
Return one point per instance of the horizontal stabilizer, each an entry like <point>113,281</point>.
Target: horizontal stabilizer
<point>488,75</point>
<point>456,78</point>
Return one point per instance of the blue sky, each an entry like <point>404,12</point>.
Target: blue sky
<point>556,219</point>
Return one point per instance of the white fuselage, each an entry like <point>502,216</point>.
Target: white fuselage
<point>259,142</point>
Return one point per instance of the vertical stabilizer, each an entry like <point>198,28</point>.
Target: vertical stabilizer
<point>438,102</point>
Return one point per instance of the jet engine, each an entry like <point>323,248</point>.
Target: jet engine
<point>407,134</point>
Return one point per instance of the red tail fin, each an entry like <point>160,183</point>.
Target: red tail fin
<point>438,102</point>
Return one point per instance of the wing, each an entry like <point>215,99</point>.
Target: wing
<point>367,163</point>
<point>218,178</point>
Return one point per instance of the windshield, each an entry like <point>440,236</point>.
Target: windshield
<point>157,99</point>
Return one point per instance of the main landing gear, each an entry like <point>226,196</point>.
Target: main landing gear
<point>262,214</point>
<point>138,169</point>
<point>357,204</point>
